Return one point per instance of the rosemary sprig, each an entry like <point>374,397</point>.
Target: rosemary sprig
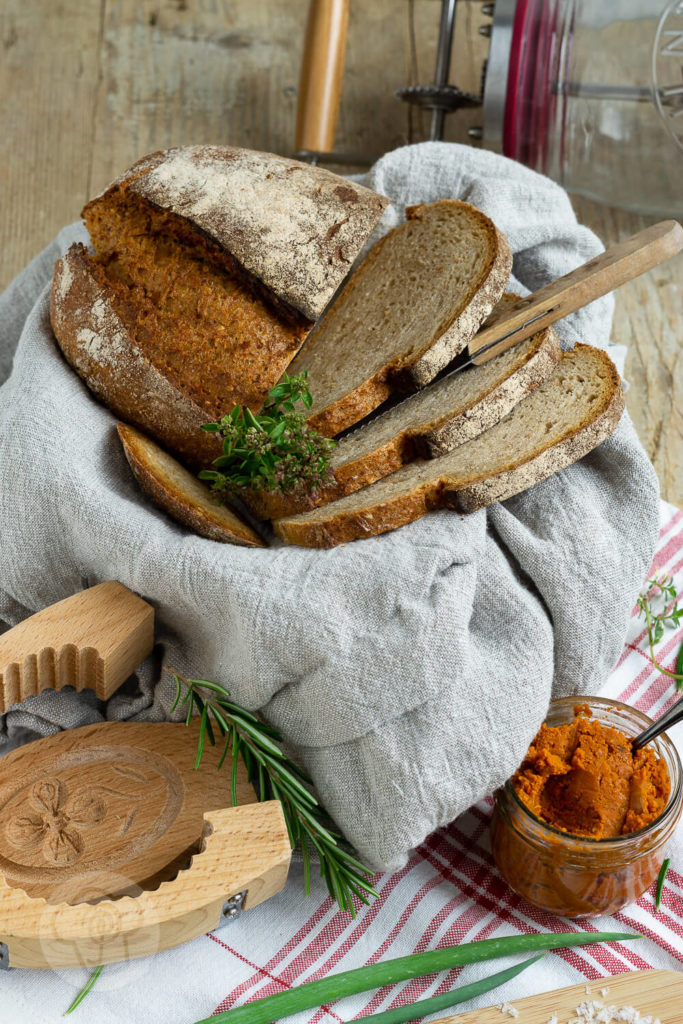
<point>273,451</point>
<point>656,590</point>
<point>275,777</point>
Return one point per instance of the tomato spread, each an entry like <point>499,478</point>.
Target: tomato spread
<point>583,777</point>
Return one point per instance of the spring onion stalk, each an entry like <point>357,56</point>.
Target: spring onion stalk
<point>402,1014</point>
<point>390,972</point>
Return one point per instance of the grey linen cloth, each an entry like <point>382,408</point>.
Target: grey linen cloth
<point>408,672</point>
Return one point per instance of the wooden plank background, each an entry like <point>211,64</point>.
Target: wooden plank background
<point>88,86</point>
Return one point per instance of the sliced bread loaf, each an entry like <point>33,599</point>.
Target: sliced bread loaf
<point>180,494</point>
<point>576,408</point>
<point>433,422</point>
<point>412,305</point>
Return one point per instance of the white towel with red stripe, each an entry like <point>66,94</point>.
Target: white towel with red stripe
<point>448,892</point>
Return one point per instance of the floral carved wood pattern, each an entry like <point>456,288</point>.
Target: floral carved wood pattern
<point>104,809</point>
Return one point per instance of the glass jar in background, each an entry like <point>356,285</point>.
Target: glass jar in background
<point>592,95</point>
<point>576,876</point>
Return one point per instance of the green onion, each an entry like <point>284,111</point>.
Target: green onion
<point>402,1014</point>
<point>84,991</point>
<point>660,882</point>
<point>390,972</point>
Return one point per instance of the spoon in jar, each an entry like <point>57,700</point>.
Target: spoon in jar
<point>664,722</point>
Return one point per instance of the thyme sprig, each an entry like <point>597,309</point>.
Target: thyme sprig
<point>657,590</point>
<point>275,777</point>
<point>274,450</point>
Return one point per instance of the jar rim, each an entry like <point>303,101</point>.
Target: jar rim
<point>609,841</point>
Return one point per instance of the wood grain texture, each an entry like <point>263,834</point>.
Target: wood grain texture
<point>653,993</point>
<point>92,640</point>
<point>107,809</point>
<point>89,88</point>
<point>243,848</point>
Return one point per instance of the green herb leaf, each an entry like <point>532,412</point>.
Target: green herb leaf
<point>85,990</point>
<point>660,882</point>
<point>655,591</point>
<point>390,972</point>
<point>274,451</point>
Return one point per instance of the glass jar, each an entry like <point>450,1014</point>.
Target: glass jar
<point>591,94</point>
<point>576,876</point>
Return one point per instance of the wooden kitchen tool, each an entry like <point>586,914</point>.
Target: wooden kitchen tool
<point>112,846</point>
<point>612,268</point>
<point>653,993</point>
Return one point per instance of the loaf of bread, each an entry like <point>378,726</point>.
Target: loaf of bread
<point>210,265</point>
<point>576,408</point>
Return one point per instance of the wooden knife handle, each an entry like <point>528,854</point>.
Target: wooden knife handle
<point>322,71</point>
<point>92,640</point>
<point>246,848</point>
<point>612,268</point>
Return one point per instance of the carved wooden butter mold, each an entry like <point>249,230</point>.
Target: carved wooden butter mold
<point>112,846</point>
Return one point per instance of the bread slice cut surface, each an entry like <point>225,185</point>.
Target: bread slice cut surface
<point>180,494</point>
<point>412,305</point>
<point>576,408</point>
<point>432,422</point>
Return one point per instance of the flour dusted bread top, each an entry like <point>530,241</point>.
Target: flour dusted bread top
<point>295,228</point>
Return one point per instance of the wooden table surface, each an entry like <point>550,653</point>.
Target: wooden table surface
<point>88,86</point>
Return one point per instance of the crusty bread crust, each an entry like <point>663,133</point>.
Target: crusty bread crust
<point>98,346</point>
<point>294,227</point>
<point>405,375</point>
<point>179,494</point>
<point>469,495</point>
<point>480,414</point>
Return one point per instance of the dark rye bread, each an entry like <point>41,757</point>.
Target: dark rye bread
<point>436,420</point>
<point>167,322</point>
<point>180,494</point>
<point>561,421</point>
<point>412,305</point>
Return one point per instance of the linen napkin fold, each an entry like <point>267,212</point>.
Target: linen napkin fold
<point>408,672</point>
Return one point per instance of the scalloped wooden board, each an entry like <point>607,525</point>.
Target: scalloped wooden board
<point>107,808</point>
<point>653,993</point>
<point>94,639</point>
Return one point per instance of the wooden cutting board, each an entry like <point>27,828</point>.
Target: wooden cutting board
<point>653,993</point>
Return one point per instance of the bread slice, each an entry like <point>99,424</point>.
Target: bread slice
<point>209,263</point>
<point>412,305</point>
<point>180,494</point>
<point>433,422</point>
<point>560,422</point>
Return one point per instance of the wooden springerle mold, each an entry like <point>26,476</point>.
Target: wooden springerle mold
<point>112,846</point>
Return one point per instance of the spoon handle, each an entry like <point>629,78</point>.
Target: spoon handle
<point>664,722</point>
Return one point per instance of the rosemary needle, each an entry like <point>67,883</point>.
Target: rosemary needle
<point>660,882</point>
<point>85,990</point>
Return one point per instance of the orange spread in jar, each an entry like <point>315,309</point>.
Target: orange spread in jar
<point>583,778</point>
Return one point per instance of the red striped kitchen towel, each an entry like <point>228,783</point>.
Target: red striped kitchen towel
<point>448,892</point>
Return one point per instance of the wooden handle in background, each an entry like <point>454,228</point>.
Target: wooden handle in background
<point>612,268</point>
<point>322,71</point>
